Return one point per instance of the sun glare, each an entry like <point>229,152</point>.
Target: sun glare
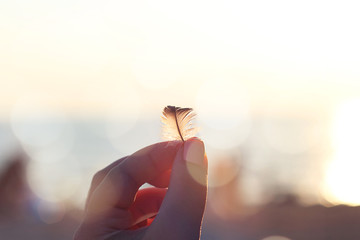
<point>342,176</point>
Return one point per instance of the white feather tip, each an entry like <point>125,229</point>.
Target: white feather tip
<point>178,123</point>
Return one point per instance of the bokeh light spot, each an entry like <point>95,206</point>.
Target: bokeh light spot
<point>146,132</point>
<point>55,182</point>
<point>36,122</point>
<point>50,212</point>
<point>44,132</point>
<point>223,113</point>
<point>196,173</point>
<point>292,136</point>
<point>223,169</point>
<point>118,104</point>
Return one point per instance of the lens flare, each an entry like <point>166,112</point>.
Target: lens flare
<point>342,176</point>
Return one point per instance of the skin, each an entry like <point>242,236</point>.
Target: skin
<point>173,209</point>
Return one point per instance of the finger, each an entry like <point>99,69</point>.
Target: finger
<point>99,176</point>
<point>126,234</point>
<point>162,181</point>
<point>147,204</point>
<point>181,213</point>
<point>120,185</point>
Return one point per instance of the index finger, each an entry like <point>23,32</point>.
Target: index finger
<point>99,176</point>
<point>119,187</point>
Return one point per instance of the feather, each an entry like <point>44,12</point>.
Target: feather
<point>178,123</point>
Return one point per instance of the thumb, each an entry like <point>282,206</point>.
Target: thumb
<point>181,212</point>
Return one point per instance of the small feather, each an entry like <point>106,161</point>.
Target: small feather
<point>178,123</point>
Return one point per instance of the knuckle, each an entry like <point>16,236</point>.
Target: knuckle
<point>154,165</point>
<point>97,178</point>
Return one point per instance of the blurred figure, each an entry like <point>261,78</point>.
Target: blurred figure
<point>14,190</point>
<point>22,213</point>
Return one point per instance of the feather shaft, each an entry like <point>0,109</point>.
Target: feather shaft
<point>178,123</point>
<point>178,128</point>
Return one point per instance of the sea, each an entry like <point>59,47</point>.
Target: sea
<point>63,156</point>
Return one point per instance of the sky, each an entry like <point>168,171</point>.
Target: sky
<point>233,61</point>
<point>76,50</point>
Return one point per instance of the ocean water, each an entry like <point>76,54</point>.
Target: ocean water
<point>64,155</point>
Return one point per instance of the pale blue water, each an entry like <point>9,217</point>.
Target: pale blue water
<point>84,147</point>
<point>76,154</point>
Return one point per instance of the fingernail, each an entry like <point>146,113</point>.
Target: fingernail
<point>194,151</point>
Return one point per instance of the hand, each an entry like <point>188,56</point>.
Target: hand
<point>117,209</point>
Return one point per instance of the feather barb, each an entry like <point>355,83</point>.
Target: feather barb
<point>178,123</point>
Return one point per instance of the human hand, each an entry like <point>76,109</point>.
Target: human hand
<point>116,208</point>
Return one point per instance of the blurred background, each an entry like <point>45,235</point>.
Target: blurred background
<point>275,84</point>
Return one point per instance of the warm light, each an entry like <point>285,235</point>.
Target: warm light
<point>223,170</point>
<point>291,136</point>
<point>342,177</point>
<point>119,106</point>
<point>115,63</point>
<point>223,112</point>
<point>146,134</point>
<point>36,121</point>
<point>44,131</point>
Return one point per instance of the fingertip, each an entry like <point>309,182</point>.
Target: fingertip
<point>164,150</point>
<point>173,144</point>
<point>194,151</point>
